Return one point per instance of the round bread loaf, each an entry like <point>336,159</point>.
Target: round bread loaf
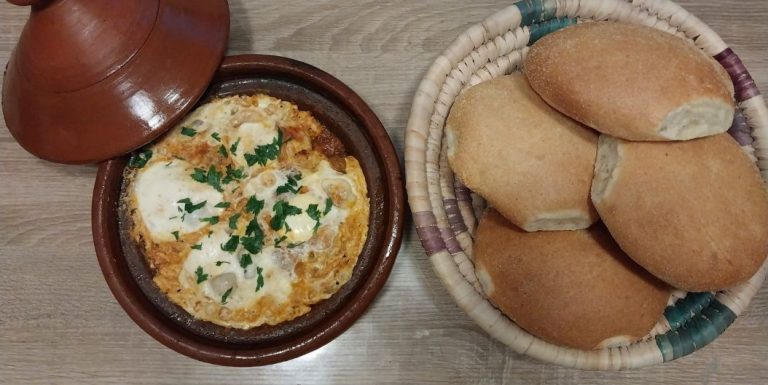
<point>694,213</point>
<point>632,82</point>
<point>570,288</point>
<point>529,161</point>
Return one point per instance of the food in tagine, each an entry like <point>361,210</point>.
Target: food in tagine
<point>248,212</point>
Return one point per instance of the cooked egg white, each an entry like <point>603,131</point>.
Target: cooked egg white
<point>158,190</point>
<point>223,274</point>
<point>240,242</point>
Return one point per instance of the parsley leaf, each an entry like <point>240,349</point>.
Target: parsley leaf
<point>222,205</point>
<point>294,245</point>
<point>223,150</point>
<point>175,234</point>
<point>216,136</point>
<point>282,211</point>
<point>231,244</point>
<point>233,147</point>
<point>140,159</point>
<point>264,153</point>
<point>198,246</point>
<point>201,277</point>
<point>226,295</point>
<point>260,279</point>
<point>315,214</point>
<point>328,206</point>
<point>254,229</point>
<point>254,205</point>
<point>252,244</point>
<point>199,175</point>
<point>214,178</point>
<point>279,240</point>
<point>212,220</point>
<point>245,260</point>
<point>189,206</point>
<point>219,263</point>
<point>232,174</point>
<point>233,221</point>
<point>188,131</point>
<point>292,185</point>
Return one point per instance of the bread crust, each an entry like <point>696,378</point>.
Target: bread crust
<point>570,288</point>
<point>529,161</point>
<point>693,213</point>
<point>630,81</point>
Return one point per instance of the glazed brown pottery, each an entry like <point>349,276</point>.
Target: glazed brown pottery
<point>91,80</point>
<point>345,114</point>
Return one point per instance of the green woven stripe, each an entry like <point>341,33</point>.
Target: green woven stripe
<point>702,329</point>
<point>682,311</point>
<point>534,11</point>
<point>538,30</point>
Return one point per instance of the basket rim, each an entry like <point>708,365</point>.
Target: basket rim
<point>437,208</point>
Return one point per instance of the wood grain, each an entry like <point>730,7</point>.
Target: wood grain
<point>60,324</point>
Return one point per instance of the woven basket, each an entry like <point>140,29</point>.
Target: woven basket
<point>445,212</point>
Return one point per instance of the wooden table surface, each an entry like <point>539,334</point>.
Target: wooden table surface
<point>60,324</point>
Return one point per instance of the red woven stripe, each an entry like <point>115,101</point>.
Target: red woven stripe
<point>744,86</point>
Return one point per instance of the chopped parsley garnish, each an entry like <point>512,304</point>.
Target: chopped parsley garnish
<point>216,136</point>
<point>173,217</point>
<point>140,159</point>
<point>292,185</point>
<point>232,174</point>
<point>188,131</point>
<point>226,295</point>
<point>282,211</point>
<point>189,206</point>
<point>245,260</point>
<point>222,205</point>
<point>198,246</point>
<point>219,263</point>
<point>212,220</point>
<point>252,244</point>
<point>264,153</point>
<point>223,150</point>
<point>253,228</point>
<point>233,147</point>
<point>254,205</point>
<point>231,244</point>
<point>175,234</point>
<point>212,177</point>
<point>293,245</point>
<point>279,240</point>
<point>201,277</point>
<point>233,221</point>
<point>199,175</point>
<point>259,279</point>
<point>315,214</point>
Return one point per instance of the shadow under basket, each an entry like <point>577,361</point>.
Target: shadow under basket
<point>446,212</point>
